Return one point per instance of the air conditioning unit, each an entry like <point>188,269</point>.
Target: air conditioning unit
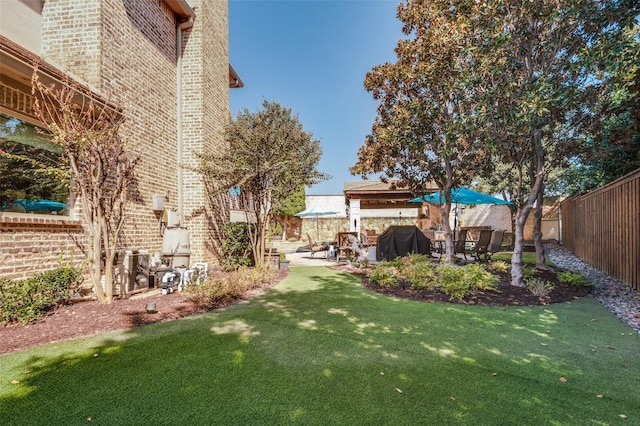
<point>131,271</point>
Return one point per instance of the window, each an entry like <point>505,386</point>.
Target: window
<point>34,176</point>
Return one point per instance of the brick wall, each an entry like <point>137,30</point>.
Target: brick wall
<point>126,51</point>
<point>31,244</point>
<point>71,37</point>
<point>138,71</point>
<point>205,93</point>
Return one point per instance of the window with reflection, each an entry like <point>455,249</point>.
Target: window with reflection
<point>34,176</point>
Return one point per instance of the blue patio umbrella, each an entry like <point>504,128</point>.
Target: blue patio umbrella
<point>41,206</point>
<point>315,212</point>
<point>460,196</point>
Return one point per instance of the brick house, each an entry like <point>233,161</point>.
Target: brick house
<point>166,64</point>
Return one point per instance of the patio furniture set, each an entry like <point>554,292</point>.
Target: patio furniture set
<point>354,245</point>
<point>488,243</point>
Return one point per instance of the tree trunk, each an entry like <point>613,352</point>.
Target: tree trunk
<point>96,270</point>
<point>513,211</point>
<point>108,279</point>
<point>253,231</point>
<point>537,180</point>
<point>109,254</point>
<point>258,242</point>
<point>518,246</point>
<point>95,248</point>
<point>450,256</point>
<point>537,232</point>
<point>284,227</point>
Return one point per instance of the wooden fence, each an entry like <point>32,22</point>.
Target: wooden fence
<point>603,228</point>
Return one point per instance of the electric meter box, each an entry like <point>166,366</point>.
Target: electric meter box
<point>157,203</point>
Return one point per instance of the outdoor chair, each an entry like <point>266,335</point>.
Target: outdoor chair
<point>481,246</point>
<point>494,244</point>
<point>371,237</point>
<point>315,246</point>
<point>460,244</point>
<point>344,244</point>
<point>355,250</point>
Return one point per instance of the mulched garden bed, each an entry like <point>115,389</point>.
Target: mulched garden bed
<point>90,317</point>
<point>506,294</point>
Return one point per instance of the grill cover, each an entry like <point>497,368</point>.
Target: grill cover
<point>397,241</point>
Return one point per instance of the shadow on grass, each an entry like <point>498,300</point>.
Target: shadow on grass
<point>320,349</point>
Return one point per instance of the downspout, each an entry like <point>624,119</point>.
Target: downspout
<point>179,29</point>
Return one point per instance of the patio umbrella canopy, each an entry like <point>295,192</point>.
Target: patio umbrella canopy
<point>316,211</point>
<point>41,206</point>
<point>460,196</point>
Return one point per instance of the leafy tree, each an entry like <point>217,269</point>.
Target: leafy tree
<point>519,79</point>
<point>102,169</point>
<point>614,150</point>
<point>268,157</point>
<point>543,72</point>
<point>236,246</point>
<point>290,204</point>
<point>425,129</point>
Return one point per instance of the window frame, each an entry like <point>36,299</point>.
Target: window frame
<point>70,215</point>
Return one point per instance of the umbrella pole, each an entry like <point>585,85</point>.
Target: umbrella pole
<point>455,222</point>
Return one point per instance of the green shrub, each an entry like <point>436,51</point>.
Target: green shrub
<point>499,266</point>
<point>27,300</point>
<point>236,247</point>
<point>211,293</point>
<point>419,271</point>
<point>451,280</point>
<point>217,291</point>
<point>479,278</point>
<point>573,278</point>
<point>459,281</point>
<point>253,277</point>
<point>528,272</point>
<point>539,287</point>
<point>421,274</point>
<point>385,274</point>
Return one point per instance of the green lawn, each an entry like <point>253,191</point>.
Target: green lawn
<point>319,350</point>
<point>528,258</point>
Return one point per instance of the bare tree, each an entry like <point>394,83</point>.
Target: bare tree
<point>102,170</point>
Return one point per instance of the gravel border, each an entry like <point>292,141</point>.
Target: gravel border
<point>619,298</point>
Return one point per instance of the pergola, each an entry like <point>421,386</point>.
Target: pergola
<point>378,195</point>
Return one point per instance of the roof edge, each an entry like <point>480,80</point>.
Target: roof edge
<point>12,54</point>
<point>181,8</point>
<point>234,79</point>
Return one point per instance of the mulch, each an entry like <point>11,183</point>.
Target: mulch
<point>86,317</point>
<point>89,317</point>
<point>504,295</point>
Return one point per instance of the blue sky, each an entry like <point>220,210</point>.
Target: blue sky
<point>312,57</point>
